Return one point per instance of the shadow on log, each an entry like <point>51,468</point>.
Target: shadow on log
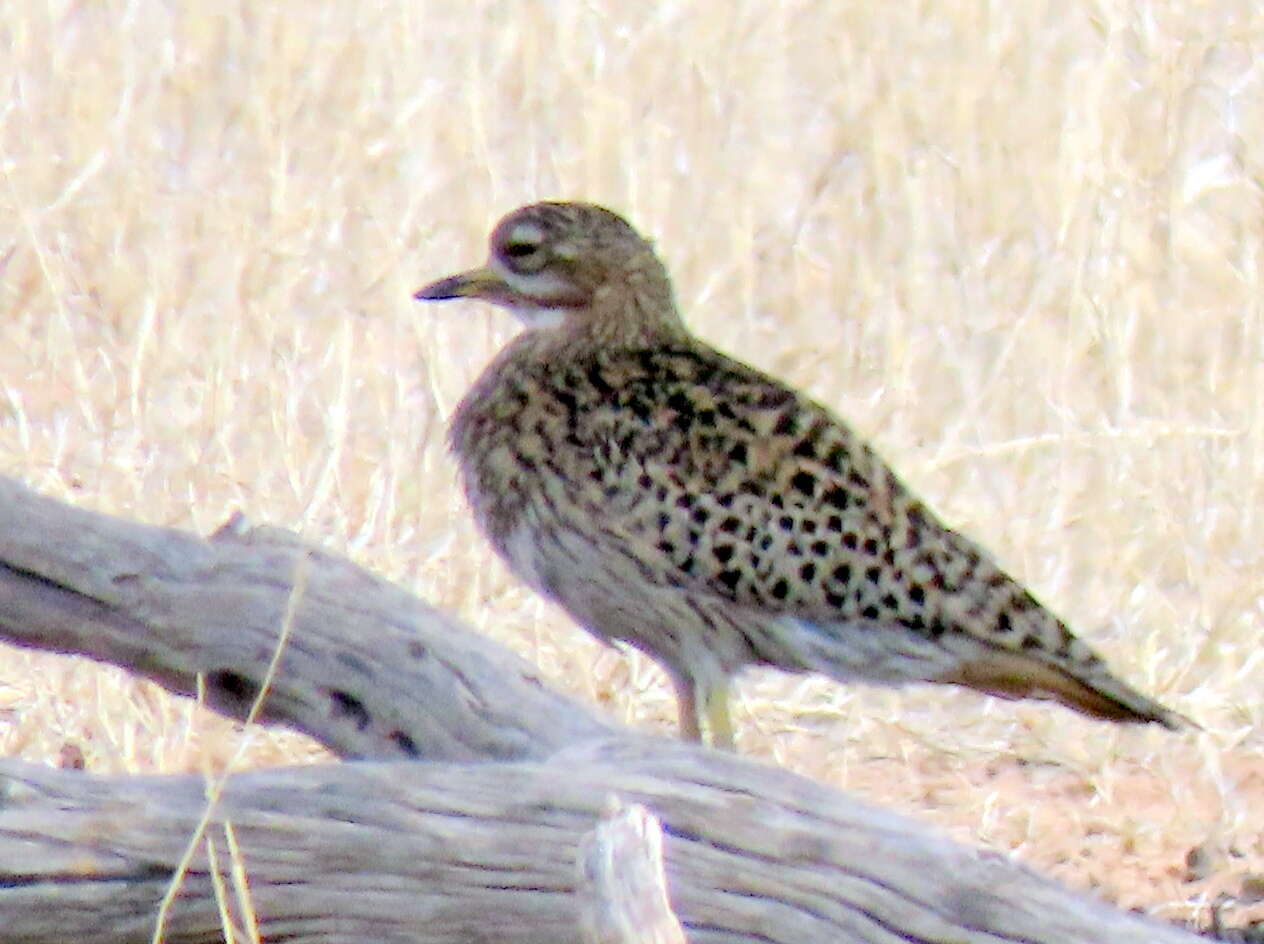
<point>452,849</point>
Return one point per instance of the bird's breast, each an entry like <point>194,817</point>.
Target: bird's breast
<point>515,438</point>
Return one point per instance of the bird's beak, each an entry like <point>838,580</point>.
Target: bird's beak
<point>477,283</point>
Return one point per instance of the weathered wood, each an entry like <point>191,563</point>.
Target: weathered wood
<point>622,885</point>
<point>454,853</point>
<point>430,853</point>
<point>367,670</point>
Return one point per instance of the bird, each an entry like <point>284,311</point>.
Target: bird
<point>676,499</point>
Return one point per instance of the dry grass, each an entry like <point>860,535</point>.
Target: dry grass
<point>1019,245</point>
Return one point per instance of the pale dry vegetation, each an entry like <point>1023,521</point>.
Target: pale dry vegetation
<point>1018,245</point>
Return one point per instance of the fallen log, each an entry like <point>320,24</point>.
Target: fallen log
<point>368,670</point>
<point>475,836</point>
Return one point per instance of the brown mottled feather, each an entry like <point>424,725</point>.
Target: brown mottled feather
<point>675,498</point>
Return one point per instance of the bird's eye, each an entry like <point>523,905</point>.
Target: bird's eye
<point>520,249</point>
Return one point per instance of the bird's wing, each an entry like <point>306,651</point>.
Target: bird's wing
<point>723,482</point>
<point>733,483</point>
<point>727,482</point>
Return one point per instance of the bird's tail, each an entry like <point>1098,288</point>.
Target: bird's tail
<point>1094,692</point>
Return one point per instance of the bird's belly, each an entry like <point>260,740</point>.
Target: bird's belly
<point>609,595</point>
<point>615,598</point>
<point>865,652</point>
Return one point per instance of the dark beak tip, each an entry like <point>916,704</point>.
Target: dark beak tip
<point>432,293</point>
<point>462,285</point>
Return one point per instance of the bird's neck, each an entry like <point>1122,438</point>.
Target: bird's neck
<point>636,312</point>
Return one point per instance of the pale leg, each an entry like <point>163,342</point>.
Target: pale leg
<point>690,729</point>
<point>719,723</point>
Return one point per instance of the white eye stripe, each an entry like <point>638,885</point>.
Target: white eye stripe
<point>536,285</point>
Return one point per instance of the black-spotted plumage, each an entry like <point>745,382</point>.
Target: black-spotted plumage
<point>672,497</point>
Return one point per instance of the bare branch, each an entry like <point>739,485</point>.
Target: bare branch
<point>429,853</point>
<point>622,883</point>
<point>370,671</point>
<point>447,853</point>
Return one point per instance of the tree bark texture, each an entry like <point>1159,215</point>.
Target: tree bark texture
<point>472,793</point>
<point>622,885</point>
<point>366,669</point>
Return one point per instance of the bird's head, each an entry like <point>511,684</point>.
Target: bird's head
<point>573,265</point>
